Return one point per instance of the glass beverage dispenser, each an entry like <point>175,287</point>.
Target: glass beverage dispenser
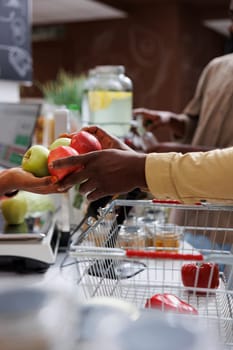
<point>110,100</point>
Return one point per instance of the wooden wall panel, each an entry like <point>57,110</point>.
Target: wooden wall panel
<point>163,47</point>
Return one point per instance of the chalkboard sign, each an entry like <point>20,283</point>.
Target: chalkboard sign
<point>15,40</point>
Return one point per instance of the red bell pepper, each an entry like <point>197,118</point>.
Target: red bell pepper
<point>203,275</point>
<point>170,302</point>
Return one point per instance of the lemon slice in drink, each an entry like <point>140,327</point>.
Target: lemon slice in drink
<point>99,100</point>
<point>102,99</point>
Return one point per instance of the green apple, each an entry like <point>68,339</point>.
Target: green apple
<point>35,160</point>
<point>20,228</point>
<point>61,141</point>
<point>14,209</point>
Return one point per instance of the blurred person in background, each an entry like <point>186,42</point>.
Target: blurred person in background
<point>206,122</point>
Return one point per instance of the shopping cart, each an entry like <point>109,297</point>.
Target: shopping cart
<point>136,250</point>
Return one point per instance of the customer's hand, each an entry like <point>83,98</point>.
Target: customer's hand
<point>106,140</point>
<point>18,179</point>
<point>105,173</point>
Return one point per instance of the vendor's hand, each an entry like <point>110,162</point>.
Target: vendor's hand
<point>152,119</point>
<point>18,179</point>
<point>106,140</point>
<point>158,121</point>
<point>105,173</point>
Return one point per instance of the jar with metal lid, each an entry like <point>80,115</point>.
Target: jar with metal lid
<point>167,236</point>
<point>110,100</point>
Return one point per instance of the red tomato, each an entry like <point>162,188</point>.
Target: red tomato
<point>170,302</point>
<point>61,152</point>
<point>85,142</point>
<point>204,275</point>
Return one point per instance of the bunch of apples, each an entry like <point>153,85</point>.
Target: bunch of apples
<point>36,161</point>
<point>38,158</point>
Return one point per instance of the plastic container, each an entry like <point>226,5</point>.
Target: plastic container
<point>110,99</point>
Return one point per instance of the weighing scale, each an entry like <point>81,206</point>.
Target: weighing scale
<point>31,246</point>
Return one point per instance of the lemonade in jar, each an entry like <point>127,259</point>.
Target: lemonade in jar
<point>110,100</point>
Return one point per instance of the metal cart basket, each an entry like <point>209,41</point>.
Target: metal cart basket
<point>138,249</point>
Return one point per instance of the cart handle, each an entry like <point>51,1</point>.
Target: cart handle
<point>170,201</point>
<point>166,201</point>
<point>163,255</point>
<point>118,253</point>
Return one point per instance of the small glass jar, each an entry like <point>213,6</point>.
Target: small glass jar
<point>131,237</point>
<point>148,225</point>
<point>148,221</point>
<point>167,236</point>
<point>110,100</point>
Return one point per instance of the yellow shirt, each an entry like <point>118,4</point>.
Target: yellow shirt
<point>191,177</point>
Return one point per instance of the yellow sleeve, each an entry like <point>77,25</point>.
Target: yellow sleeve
<point>191,177</point>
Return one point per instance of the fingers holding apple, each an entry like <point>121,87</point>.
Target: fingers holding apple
<point>58,153</point>
<point>35,160</point>
<point>106,140</point>
<point>84,142</point>
<point>38,160</point>
<point>80,142</point>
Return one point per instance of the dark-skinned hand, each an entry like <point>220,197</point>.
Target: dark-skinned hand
<point>106,140</point>
<point>152,120</point>
<point>105,172</point>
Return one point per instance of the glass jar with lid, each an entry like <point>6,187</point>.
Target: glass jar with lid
<point>167,236</point>
<point>110,100</point>
<point>131,237</point>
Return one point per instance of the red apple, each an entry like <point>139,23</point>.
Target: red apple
<point>61,152</point>
<point>85,142</point>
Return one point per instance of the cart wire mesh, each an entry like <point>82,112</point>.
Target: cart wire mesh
<point>138,249</point>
